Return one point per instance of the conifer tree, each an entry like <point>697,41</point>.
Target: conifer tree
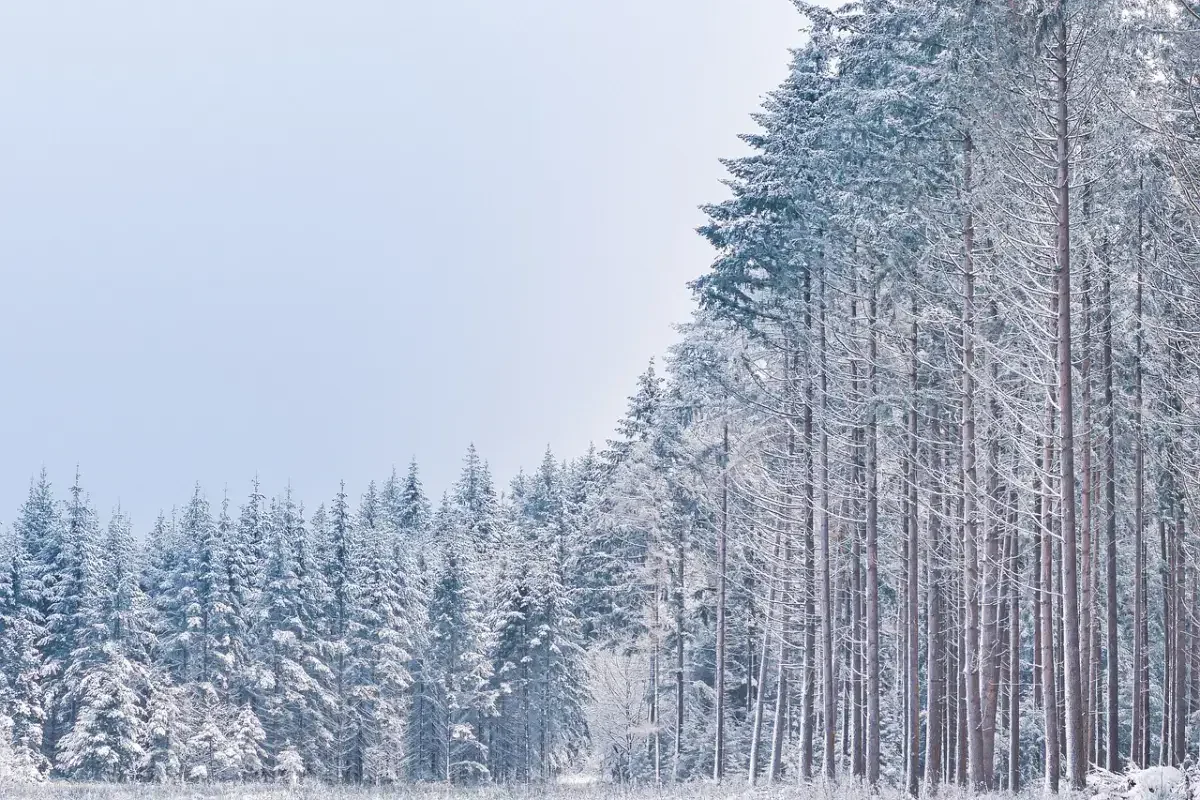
<point>456,675</point>
<point>71,586</point>
<point>20,663</point>
<point>108,673</point>
<point>296,699</point>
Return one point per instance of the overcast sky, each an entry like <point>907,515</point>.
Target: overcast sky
<point>310,240</point>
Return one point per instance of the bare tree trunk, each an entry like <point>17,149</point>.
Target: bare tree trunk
<point>829,762</point>
<point>1049,684</point>
<point>933,617</point>
<point>953,611</point>
<point>846,664</point>
<point>962,763</point>
<point>872,498</point>
<point>991,593</point>
<point>1164,737</point>
<point>1060,644</point>
<point>1087,665</point>
<point>722,589</point>
<point>857,583</point>
<point>1176,632</point>
<point>1014,657</point>
<point>1139,735</point>
<point>775,772</point>
<point>1112,729</point>
<point>1178,635</point>
<point>912,767</point>
<point>656,745</point>
<point>1076,740</point>
<point>1038,578</point>
<point>810,644</point>
<point>680,640</point>
<point>858,752</point>
<point>970,532</point>
<point>781,683</point>
<point>761,695</point>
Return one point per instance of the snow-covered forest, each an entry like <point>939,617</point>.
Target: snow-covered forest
<point>909,503</point>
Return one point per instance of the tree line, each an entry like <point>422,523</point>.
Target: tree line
<point>372,641</point>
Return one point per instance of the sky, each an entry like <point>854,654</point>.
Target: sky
<point>312,240</point>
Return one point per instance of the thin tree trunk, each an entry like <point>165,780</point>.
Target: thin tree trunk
<point>872,476</point>
<point>1168,575</point>
<point>810,644</point>
<point>1014,657</point>
<point>656,747</point>
<point>722,588</point>
<point>1112,728</point>
<point>761,695</point>
<point>1049,684</point>
<point>933,619</point>
<point>1178,631</point>
<point>1087,665</point>
<point>829,762</point>
<point>680,641</point>
<point>1140,734</point>
<point>991,593</point>
<point>858,761</point>
<point>912,768</point>
<point>970,532</point>
<point>1075,740</point>
<point>775,772</point>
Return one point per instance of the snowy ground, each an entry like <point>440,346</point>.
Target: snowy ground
<point>68,791</point>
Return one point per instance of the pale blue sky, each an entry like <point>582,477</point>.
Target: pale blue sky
<point>311,239</point>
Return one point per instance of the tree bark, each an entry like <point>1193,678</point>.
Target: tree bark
<point>1014,658</point>
<point>933,618</point>
<point>1076,740</point>
<point>722,588</point>
<point>1140,734</point>
<point>810,644</point>
<point>1049,684</point>
<point>872,498</point>
<point>1112,729</point>
<point>829,761</point>
<point>912,768</point>
<point>760,696</point>
<point>971,655</point>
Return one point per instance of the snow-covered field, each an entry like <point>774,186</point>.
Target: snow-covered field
<point>76,791</point>
<point>1156,783</point>
<point>694,791</point>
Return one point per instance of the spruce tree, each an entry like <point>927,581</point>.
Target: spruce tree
<point>107,674</point>
<point>296,701</point>
<point>456,675</point>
